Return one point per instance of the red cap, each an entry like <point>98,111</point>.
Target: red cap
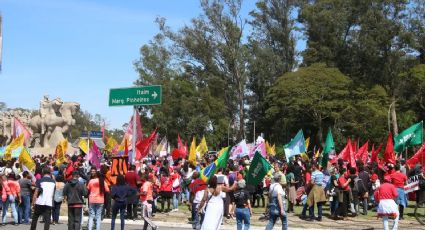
<point>374,177</point>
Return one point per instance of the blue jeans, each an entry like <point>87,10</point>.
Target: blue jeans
<point>115,208</point>
<point>176,196</point>
<point>272,221</point>
<point>197,218</point>
<point>95,210</point>
<point>56,211</point>
<point>319,211</point>
<point>12,202</point>
<point>243,215</point>
<point>24,210</point>
<point>334,205</point>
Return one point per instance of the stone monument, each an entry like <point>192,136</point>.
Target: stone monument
<point>49,125</point>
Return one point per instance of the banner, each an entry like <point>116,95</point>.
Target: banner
<point>258,169</point>
<point>412,184</point>
<point>409,137</point>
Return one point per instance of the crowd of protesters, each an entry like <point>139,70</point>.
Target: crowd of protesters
<point>160,184</point>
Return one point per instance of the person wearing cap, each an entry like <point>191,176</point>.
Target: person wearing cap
<point>385,195</point>
<point>277,197</point>
<point>398,179</point>
<point>74,193</point>
<point>243,206</point>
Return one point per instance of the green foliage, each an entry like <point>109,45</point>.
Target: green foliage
<point>315,95</point>
<point>360,58</point>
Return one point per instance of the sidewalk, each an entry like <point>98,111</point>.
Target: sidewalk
<point>179,220</point>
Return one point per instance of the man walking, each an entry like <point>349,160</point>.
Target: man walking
<point>25,206</point>
<point>74,192</point>
<point>43,199</point>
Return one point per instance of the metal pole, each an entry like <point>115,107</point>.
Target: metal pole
<point>134,138</point>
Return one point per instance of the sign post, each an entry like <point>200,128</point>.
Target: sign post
<point>141,95</point>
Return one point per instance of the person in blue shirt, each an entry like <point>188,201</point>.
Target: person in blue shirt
<point>317,194</point>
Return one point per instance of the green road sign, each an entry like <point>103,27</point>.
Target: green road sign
<point>142,95</point>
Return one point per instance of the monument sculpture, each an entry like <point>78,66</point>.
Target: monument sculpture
<point>50,124</point>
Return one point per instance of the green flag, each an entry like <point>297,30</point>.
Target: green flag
<point>223,158</point>
<point>409,137</point>
<point>258,169</point>
<point>329,147</point>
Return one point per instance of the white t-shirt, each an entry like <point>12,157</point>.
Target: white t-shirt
<point>198,197</point>
<point>276,189</point>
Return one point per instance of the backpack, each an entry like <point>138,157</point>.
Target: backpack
<point>359,186</point>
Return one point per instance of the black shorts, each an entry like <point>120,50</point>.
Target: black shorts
<point>166,194</point>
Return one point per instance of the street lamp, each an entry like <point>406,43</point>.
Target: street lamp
<point>228,131</point>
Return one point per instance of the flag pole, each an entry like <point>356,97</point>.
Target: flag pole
<point>134,137</point>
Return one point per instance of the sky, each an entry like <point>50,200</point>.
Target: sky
<point>78,49</point>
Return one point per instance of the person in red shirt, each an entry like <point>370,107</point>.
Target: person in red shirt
<point>176,180</point>
<point>399,179</point>
<point>166,189</point>
<point>132,179</point>
<point>344,186</point>
<point>385,195</point>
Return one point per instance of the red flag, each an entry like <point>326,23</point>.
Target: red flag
<point>345,153</point>
<point>352,153</point>
<point>19,128</point>
<point>419,157</point>
<point>362,152</point>
<point>374,157</point>
<point>181,147</point>
<point>142,146</point>
<point>389,156</point>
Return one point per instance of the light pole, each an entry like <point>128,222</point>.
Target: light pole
<point>228,131</point>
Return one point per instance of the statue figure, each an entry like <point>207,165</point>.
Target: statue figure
<point>45,104</point>
<point>54,121</point>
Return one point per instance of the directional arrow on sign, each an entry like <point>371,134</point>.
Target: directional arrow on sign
<point>154,95</point>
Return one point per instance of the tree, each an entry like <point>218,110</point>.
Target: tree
<point>315,95</point>
<point>212,52</point>
<point>368,41</point>
<point>271,53</point>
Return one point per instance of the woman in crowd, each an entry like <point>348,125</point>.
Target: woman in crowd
<point>120,192</point>
<point>333,191</point>
<point>97,188</point>
<point>176,180</point>
<point>277,205</point>
<point>166,189</point>
<point>344,194</point>
<point>212,205</point>
<point>57,199</point>
<point>292,193</point>
<point>13,193</point>
<point>243,206</point>
<point>385,195</point>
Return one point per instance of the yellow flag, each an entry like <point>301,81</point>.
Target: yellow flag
<point>202,147</point>
<point>305,156</point>
<point>270,150</point>
<point>192,152</point>
<point>110,144</point>
<point>83,146</point>
<point>123,143</point>
<point>16,143</point>
<point>61,149</point>
<point>307,143</point>
<point>317,154</point>
<point>25,159</point>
